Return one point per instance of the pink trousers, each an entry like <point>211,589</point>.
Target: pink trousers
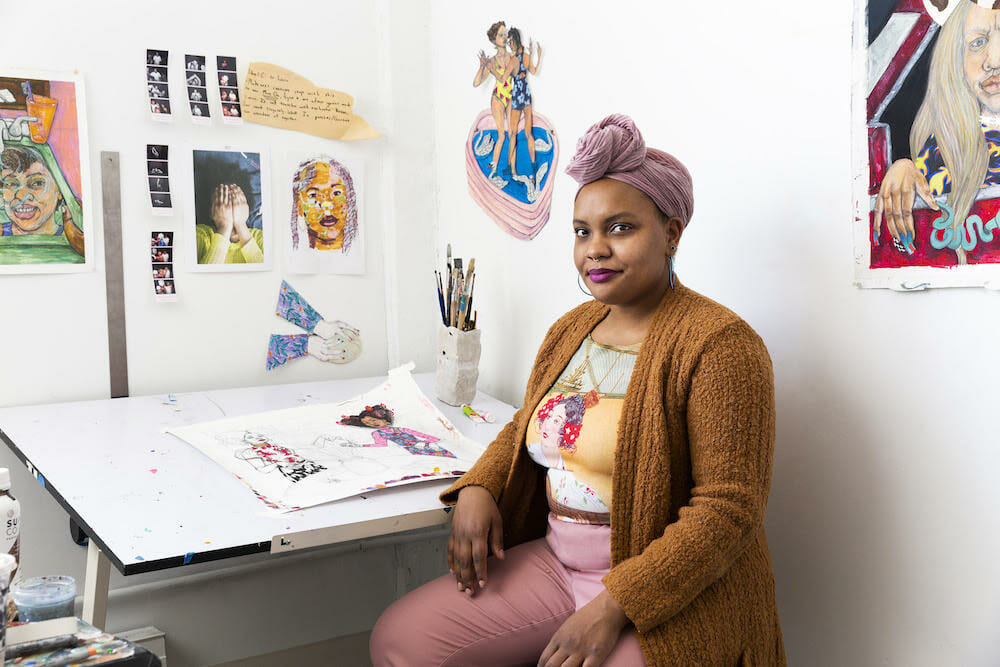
<point>529,594</point>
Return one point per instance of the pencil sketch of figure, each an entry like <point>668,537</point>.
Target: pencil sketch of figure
<point>265,457</point>
<point>349,454</point>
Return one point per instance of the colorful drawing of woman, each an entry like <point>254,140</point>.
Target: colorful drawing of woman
<point>32,199</point>
<point>325,204</point>
<point>559,422</point>
<point>499,65</point>
<point>955,137</point>
<point>520,100</point>
<point>380,418</point>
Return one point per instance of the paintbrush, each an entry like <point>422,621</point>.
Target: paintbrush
<point>454,298</point>
<point>468,305</point>
<point>437,276</point>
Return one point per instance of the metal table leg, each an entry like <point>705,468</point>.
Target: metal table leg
<point>95,588</point>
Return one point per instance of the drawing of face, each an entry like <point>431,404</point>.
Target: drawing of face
<point>501,38</point>
<point>982,56</point>
<point>30,196</point>
<point>551,429</point>
<point>374,422</point>
<point>322,202</point>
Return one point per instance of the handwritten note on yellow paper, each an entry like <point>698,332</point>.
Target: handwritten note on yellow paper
<point>281,98</point>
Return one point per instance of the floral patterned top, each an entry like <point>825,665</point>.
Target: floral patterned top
<point>930,162</point>
<point>574,430</point>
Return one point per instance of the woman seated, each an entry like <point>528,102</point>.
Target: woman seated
<point>624,504</point>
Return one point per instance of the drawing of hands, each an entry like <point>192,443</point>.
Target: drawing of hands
<point>341,340</point>
<point>344,331</point>
<point>329,350</point>
<point>333,341</point>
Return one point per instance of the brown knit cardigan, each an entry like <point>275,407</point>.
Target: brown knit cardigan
<point>689,560</point>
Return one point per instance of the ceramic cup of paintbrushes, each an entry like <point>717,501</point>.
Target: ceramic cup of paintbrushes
<point>457,365</point>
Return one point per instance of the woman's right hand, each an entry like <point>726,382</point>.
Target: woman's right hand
<point>895,200</point>
<point>222,211</point>
<point>476,527</point>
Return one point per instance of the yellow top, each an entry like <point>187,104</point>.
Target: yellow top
<point>214,249</point>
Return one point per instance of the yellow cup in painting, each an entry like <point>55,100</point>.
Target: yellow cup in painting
<point>44,109</point>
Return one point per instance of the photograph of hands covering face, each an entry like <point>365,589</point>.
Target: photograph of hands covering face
<point>228,207</point>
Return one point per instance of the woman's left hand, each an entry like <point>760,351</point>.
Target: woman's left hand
<point>588,636</point>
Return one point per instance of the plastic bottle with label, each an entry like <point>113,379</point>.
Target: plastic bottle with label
<point>10,520</point>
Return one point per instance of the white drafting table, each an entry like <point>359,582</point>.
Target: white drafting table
<point>149,501</point>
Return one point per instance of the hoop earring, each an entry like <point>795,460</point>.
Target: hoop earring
<point>670,270</point>
<point>579,283</point>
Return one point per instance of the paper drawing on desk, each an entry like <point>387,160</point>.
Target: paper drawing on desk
<point>44,174</point>
<point>327,233</point>
<point>318,453</point>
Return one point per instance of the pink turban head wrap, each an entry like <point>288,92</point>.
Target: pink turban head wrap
<point>614,148</point>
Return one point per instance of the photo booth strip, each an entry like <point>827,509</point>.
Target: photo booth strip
<point>158,179</point>
<point>196,81</point>
<point>157,87</point>
<point>229,91</point>
<point>161,252</point>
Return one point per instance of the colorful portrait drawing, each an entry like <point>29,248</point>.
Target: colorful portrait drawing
<point>43,175</point>
<point>380,418</point>
<point>928,170</point>
<point>326,234</point>
<point>229,207</point>
<point>512,151</point>
<point>559,421</point>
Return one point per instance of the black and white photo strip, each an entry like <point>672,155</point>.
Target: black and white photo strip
<point>158,179</point>
<point>196,80</point>
<point>162,259</point>
<point>156,84</point>
<point>229,91</point>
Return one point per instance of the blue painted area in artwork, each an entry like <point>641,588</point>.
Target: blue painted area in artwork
<point>522,161</point>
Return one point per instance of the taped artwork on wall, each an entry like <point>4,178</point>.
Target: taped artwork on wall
<point>326,233</point>
<point>332,341</point>
<point>512,151</point>
<point>229,91</point>
<point>926,119</point>
<point>295,458</point>
<point>161,254</point>
<point>44,174</point>
<point>229,205</point>
<point>157,84</point>
<point>196,80</point>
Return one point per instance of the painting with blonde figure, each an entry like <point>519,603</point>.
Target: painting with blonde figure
<point>927,161</point>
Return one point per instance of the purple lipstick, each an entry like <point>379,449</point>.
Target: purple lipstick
<point>601,275</point>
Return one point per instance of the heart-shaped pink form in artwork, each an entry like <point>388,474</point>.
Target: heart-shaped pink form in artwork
<point>518,200</point>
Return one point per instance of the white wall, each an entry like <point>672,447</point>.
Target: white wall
<point>881,519</point>
<point>882,516</point>
<point>53,328</point>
